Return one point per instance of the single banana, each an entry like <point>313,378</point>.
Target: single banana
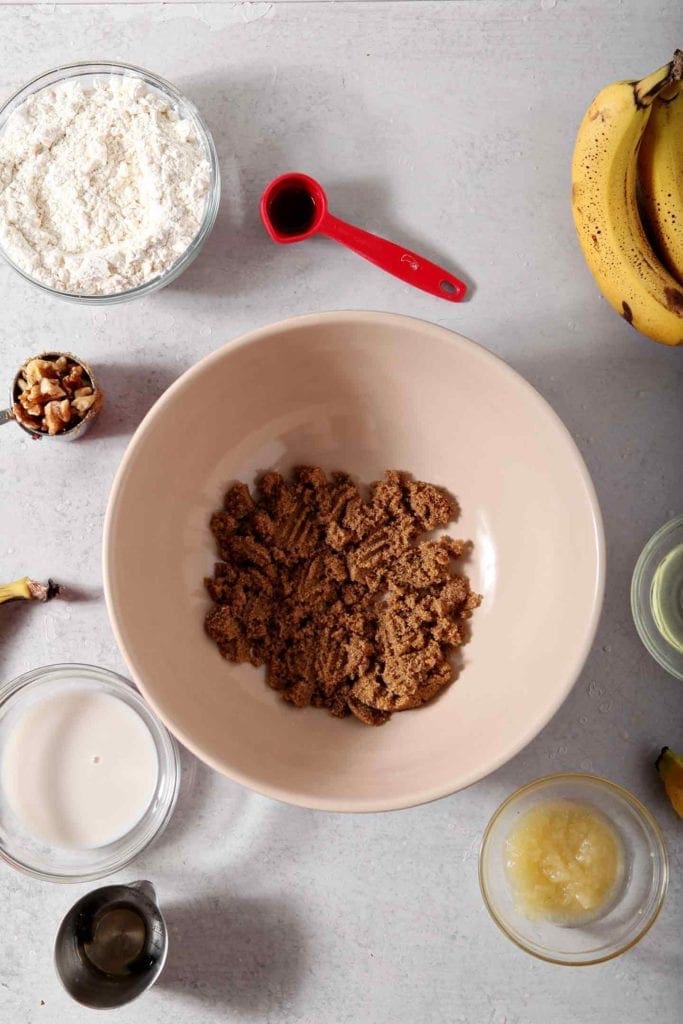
<point>605,208</point>
<point>670,767</point>
<point>660,177</point>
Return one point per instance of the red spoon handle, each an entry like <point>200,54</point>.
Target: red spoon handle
<point>396,260</point>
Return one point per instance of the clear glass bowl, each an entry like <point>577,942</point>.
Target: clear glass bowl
<point>52,863</point>
<point>637,902</point>
<point>664,541</point>
<point>90,71</point>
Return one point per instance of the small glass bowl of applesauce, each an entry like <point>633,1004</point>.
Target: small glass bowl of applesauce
<point>573,869</point>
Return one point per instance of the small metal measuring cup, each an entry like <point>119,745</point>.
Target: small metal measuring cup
<point>112,945</point>
<point>72,432</point>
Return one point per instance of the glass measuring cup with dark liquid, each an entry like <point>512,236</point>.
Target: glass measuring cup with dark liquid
<point>111,945</point>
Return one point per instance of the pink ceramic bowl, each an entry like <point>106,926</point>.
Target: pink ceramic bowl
<point>361,392</point>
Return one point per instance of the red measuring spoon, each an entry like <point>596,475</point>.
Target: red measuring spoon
<point>294,207</point>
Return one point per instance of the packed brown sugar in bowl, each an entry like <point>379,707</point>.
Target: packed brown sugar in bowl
<point>343,600</point>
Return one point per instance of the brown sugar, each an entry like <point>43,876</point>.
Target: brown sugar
<point>339,597</point>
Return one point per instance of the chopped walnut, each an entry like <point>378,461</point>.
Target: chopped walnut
<point>83,402</point>
<point>21,416</point>
<point>74,379</point>
<point>54,395</point>
<point>31,395</point>
<point>56,416</point>
<point>35,369</point>
<point>50,388</point>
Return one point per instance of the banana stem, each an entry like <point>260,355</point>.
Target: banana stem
<point>26,589</point>
<point>677,66</point>
<point>648,88</point>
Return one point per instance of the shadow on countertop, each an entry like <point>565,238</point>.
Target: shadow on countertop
<point>238,257</point>
<point>619,395</point>
<point>130,391</point>
<point>246,955</point>
<point>193,797</point>
<point>15,615</point>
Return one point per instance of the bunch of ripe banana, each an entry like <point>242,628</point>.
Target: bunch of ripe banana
<point>627,199</point>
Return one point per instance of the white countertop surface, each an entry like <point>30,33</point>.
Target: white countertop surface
<point>448,126</point>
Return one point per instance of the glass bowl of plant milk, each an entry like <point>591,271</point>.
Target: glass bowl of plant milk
<point>88,776</point>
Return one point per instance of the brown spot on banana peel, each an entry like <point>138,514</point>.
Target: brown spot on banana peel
<point>595,241</point>
<point>674,300</point>
<point>627,313</point>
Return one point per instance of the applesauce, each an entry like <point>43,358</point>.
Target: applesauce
<point>564,862</point>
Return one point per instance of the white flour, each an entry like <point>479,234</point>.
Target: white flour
<point>102,186</point>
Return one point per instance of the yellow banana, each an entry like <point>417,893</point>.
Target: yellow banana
<point>670,767</point>
<point>660,177</point>
<point>26,589</point>
<point>605,209</point>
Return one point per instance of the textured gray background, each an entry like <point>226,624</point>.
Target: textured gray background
<point>449,126</point>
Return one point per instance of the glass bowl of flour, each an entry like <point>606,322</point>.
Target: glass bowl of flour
<point>109,182</point>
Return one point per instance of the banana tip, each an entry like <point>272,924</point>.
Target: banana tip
<point>664,750</point>
<point>43,591</point>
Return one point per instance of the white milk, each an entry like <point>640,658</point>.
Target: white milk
<point>79,769</point>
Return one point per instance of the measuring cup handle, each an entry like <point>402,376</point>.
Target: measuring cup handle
<point>402,263</point>
<point>6,416</point>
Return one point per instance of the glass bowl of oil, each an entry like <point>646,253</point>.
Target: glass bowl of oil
<point>657,596</point>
